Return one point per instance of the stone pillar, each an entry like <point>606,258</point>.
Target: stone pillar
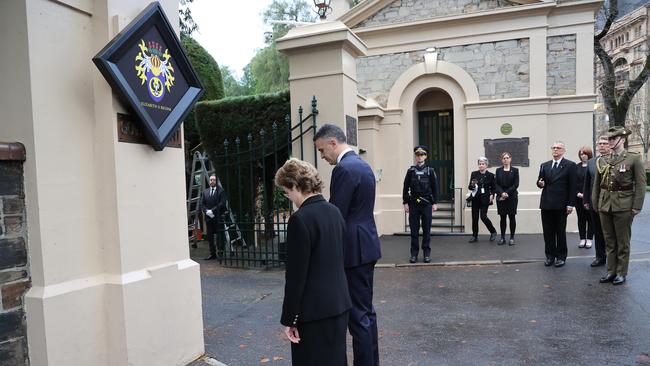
<point>112,282</point>
<point>14,270</point>
<point>322,64</point>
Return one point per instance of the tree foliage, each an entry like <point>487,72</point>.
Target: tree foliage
<point>232,87</point>
<point>185,19</point>
<point>616,104</point>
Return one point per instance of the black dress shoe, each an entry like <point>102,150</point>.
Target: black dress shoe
<point>598,262</point>
<point>502,241</point>
<point>549,262</point>
<point>210,257</point>
<point>511,242</point>
<point>427,259</point>
<point>619,280</point>
<point>493,236</point>
<point>474,239</point>
<point>413,259</point>
<point>607,278</point>
<point>559,263</point>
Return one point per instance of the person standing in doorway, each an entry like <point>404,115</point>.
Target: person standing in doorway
<point>352,190</point>
<point>599,240</point>
<point>618,194</point>
<point>506,184</point>
<point>481,186</point>
<point>585,225</point>
<point>557,180</point>
<point>420,199</point>
<point>213,206</point>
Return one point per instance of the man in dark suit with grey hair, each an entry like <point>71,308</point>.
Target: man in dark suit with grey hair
<point>557,179</point>
<point>352,190</point>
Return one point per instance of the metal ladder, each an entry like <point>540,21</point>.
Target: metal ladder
<point>199,179</point>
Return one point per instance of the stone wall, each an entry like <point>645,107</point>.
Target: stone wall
<point>14,271</point>
<point>561,65</point>
<point>401,11</point>
<point>500,69</point>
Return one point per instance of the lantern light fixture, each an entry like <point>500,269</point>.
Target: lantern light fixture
<point>323,8</point>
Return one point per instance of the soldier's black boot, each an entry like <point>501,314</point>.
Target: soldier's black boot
<point>607,278</point>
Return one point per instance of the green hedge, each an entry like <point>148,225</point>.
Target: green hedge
<point>234,117</point>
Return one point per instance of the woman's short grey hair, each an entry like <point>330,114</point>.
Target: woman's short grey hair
<point>329,131</point>
<point>483,159</point>
<point>299,174</point>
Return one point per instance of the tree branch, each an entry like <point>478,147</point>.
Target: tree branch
<point>636,84</point>
<point>611,16</point>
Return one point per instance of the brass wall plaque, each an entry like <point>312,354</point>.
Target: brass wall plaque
<point>128,130</point>
<point>517,147</point>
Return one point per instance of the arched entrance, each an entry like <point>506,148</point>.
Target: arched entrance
<point>435,129</point>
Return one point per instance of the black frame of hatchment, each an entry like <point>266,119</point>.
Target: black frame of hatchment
<point>106,61</point>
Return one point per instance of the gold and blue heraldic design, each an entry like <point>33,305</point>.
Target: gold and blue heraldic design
<point>154,69</point>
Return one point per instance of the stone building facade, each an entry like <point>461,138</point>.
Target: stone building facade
<point>627,45</point>
<point>14,269</point>
<point>468,78</point>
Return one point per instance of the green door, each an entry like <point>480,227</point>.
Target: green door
<point>436,130</point>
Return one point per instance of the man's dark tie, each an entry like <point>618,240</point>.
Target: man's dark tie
<point>211,192</point>
<point>554,165</point>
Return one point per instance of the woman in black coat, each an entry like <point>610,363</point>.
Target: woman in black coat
<point>506,184</point>
<point>585,224</point>
<point>481,186</point>
<point>316,299</point>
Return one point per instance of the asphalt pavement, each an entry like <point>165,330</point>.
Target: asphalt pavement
<point>476,304</point>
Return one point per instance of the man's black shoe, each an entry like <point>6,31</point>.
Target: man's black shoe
<point>194,246</point>
<point>502,241</point>
<point>493,236</point>
<point>559,263</point>
<point>474,239</point>
<point>413,259</point>
<point>511,242</point>
<point>619,280</point>
<point>210,257</point>
<point>427,259</point>
<point>598,262</point>
<point>607,278</point>
<point>549,262</point>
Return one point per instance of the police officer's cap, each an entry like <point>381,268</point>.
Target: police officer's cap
<point>618,131</point>
<point>421,149</point>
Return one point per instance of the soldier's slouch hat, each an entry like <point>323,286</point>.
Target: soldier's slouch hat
<point>618,131</point>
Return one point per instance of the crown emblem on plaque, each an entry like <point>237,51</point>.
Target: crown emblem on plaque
<point>154,69</point>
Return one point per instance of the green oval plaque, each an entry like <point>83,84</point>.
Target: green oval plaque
<point>506,128</point>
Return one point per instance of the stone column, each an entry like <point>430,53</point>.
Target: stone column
<point>322,64</point>
<point>112,282</point>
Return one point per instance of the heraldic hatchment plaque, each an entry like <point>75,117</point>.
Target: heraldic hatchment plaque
<point>517,147</point>
<point>151,74</point>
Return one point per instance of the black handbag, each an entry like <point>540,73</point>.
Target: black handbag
<point>469,201</point>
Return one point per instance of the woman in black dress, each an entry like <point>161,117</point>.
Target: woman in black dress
<point>481,187</point>
<point>507,182</point>
<point>585,226</point>
<point>316,299</point>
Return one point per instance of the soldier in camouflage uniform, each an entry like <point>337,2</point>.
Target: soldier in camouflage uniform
<point>618,193</point>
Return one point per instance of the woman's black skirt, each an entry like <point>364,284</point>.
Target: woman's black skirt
<point>322,342</point>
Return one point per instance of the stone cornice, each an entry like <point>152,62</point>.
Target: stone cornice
<point>318,34</point>
<point>12,151</point>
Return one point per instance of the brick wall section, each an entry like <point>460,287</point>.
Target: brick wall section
<point>561,65</point>
<point>401,11</point>
<point>14,271</point>
<point>500,69</point>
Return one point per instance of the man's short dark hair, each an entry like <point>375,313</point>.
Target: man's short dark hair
<point>329,131</point>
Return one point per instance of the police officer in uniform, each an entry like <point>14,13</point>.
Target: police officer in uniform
<point>420,199</point>
<point>618,193</point>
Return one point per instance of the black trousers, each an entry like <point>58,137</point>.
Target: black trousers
<point>322,342</point>
<point>476,209</point>
<point>585,222</point>
<point>554,227</point>
<point>503,224</point>
<point>363,318</point>
<point>216,235</point>
<point>599,238</point>
<point>420,213</point>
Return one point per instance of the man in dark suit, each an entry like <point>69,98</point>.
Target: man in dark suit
<point>557,179</point>
<point>352,190</point>
<point>599,240</point>
<point>213,206</point>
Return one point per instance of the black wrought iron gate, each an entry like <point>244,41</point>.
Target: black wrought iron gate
<point>253,231</point>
